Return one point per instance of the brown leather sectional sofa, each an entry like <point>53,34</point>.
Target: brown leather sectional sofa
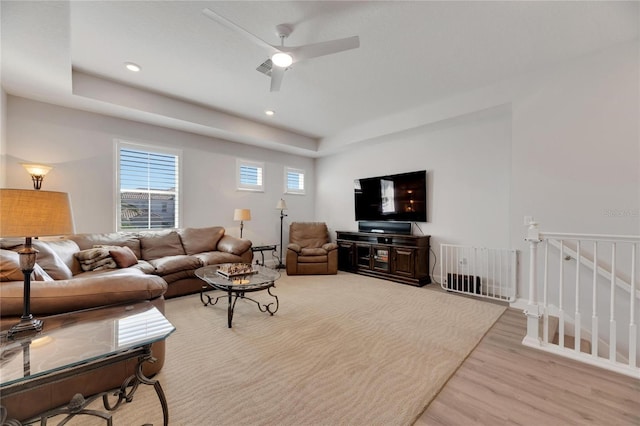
<point>164,266</point>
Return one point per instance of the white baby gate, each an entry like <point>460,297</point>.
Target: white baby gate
<point>479,271</point>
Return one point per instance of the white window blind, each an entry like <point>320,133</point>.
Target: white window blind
<point>149,188</point>
<point>250,175</point>
<point>294,181</point>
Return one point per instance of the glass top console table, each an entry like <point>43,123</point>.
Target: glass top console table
<point>261,278</point>
<point>77,342</point>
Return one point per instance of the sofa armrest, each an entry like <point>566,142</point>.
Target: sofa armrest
<point>294,247</point>
<point>233,245</point>
<point>87,290</point>
<point>330,246</point>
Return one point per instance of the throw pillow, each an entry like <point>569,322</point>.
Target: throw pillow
<point>123,256</point>
<point>94,259</point>
<point>10,268</point>
<point>51,262</point>
<point>66,250</point>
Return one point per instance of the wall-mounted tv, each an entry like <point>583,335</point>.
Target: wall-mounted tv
<point>401,197</point>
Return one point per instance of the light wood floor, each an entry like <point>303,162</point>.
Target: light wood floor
<point>503,382</point>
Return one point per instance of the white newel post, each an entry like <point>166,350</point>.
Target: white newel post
<point>533,311</point>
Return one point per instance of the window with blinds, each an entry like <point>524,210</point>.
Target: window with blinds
<point>148,183</point>
<point>294,181</point>
<point>250,175</point>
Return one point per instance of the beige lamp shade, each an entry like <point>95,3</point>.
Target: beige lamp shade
<point>36,169</point>
<point>30,213</point>
<point>242,214</point>
<point>281,205</point>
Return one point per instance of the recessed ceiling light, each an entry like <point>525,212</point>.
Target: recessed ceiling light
<point>270,112</point>
<point>132,67</point>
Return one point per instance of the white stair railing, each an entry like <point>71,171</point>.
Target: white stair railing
<point>590,289</point>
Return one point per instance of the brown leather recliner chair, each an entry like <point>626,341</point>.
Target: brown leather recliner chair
<point>310,251</point>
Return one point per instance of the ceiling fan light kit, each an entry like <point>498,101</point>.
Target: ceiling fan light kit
<point>283,56</point>
<point>281,59</point>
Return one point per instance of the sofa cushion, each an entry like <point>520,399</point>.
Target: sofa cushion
<point>155,245</point>
<point>87,241</point>
<point>312,259</point>
<point>313,252</point>
<point>123,256</point>
<point>170,264</point>
<point>144,266</point>
<point>10,268</point>
<point>233,245</point>
<point>180,275</point>
<point>199,240</point>
<point>51,262</point>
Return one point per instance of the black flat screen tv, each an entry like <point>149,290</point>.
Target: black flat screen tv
<point>401,197</point>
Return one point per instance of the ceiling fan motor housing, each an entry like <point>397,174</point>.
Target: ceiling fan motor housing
<point>283,30</point>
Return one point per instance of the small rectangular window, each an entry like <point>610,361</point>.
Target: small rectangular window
<point>148,187</point>
<point>294,181</point>
<point>250,175</point>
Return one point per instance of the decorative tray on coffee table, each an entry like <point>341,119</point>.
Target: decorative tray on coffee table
<point>235,270</point>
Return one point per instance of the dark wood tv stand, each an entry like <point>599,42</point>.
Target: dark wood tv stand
<point>395,257</point>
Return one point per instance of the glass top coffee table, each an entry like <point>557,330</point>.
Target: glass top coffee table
<point>74,343</point>
<point>237,286</point>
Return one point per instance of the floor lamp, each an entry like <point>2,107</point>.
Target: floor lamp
<point>282,206</point>
<point>28,213</point>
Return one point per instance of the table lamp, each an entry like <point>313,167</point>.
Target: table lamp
<point>282,206</point>
<point>28,213</point>
<point>241,215</point>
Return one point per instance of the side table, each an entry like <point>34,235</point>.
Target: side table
<point>77,342</point>
<point>262,249</point>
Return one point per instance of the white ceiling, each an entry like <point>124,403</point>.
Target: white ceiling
<point>200,76</point>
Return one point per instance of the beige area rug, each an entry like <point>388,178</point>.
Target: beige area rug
<point>341,350</point>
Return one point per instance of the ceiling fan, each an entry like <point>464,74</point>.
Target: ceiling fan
<point>282,57</point>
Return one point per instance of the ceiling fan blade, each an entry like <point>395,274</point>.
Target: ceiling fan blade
<point>277,73</point>
<point>233,26</point>
<point>314,50</point>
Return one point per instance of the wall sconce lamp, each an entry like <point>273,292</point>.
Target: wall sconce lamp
<point>241,215</point>
<point>26,213</point>
<point>282,206</point>
<point>37,172</point>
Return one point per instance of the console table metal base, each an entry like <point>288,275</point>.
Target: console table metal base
<point>233,296</point>
<point>77,405</point>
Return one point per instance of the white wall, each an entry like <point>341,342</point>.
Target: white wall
<point>3,138</point>
<point>80,146</point>
<point>576,149</point>
<point>564,148</point>
<point>467,161</point>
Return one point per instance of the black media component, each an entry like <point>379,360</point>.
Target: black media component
<point>464,283</point>
<point>383,227</point>
<point>401,197</point>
